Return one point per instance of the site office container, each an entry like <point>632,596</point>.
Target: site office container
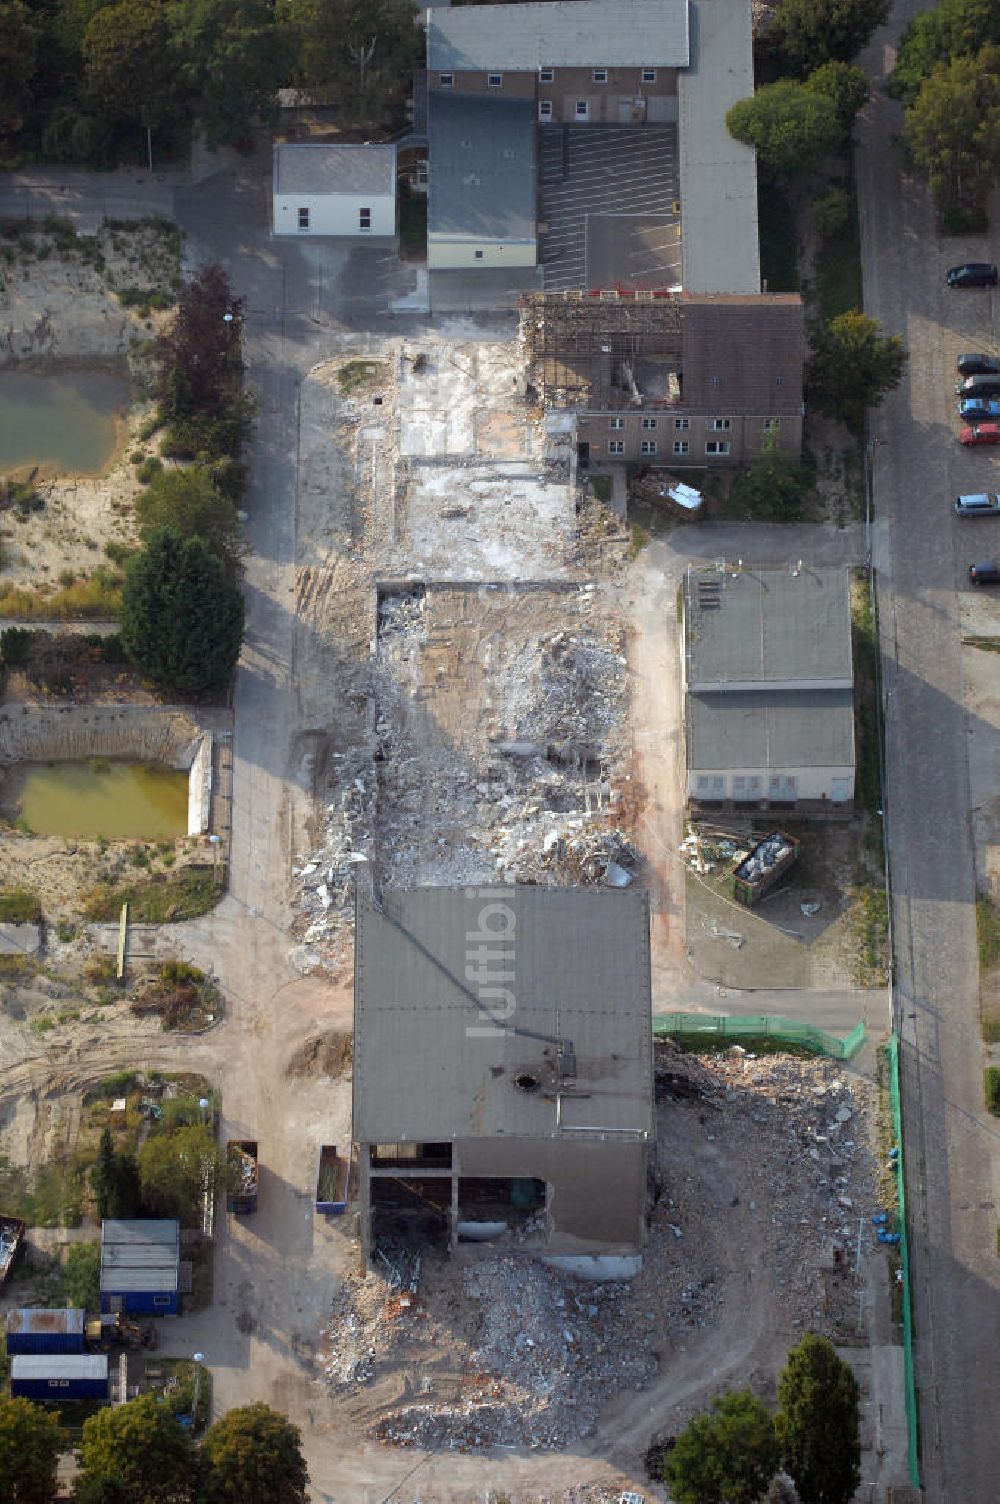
<point>45,1331</point>
<point>53,1380</point>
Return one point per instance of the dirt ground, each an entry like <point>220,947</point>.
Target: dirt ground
<point>776,944</point>
<point>60,303</point>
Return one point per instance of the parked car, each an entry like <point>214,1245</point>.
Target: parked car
<point>978,504</point>
<point>986,573</point>
<point>972,274</point>
<point>980,433</point>
<point>973,408</point>
<point>978,365</point>
<point>979,386</point>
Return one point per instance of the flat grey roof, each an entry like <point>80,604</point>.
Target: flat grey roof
<point>432,1064</point>
<point>720,250</point>
<point>164,1231</point>
<point>140,1255</point>
<point>482,181</point>
<point>757,628</point>
<point>577,34</point>
<point>318,168</point>
<point>59,1366</point>
<point>777,729</point>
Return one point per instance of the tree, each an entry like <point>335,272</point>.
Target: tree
<point>234,57</point>
<point>364,49</point>
<point>727,1456</point>
<point>137,1453</point>
<point>953,127</point>
<point>174,1169</point>
<point>181,618</point>
<point>200,356</point>
<point>253,1456</point>
<point>30,1443</point>
<point>846,87</point>
<point>773,486</point>
<point>812,32</point>
<point>189,503</point>
<point>793,128</point>
<point>18,63</point>
<point>114,1180</point>
<point>852,366</point>
<point>130,73</point>
<point>817,1423</point>
<point>954,28</point>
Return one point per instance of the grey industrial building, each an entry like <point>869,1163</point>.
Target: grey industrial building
<point>503,1069</point>
<point>769,690</point>
<point>140,1267</point>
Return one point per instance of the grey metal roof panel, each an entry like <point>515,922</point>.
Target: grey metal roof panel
<point>59,1366</point>
<point>482,181</point>
<point>130,1257</point>
<point>156,1279</point>
<point>431,1064</point>
<point>720,250</point>
<point>164,1231</point>
<point>770,729</point>
<point>560,34</point>
<point>316,168</point>
<point>759,627</point>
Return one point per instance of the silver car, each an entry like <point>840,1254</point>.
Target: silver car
<point>978,504</point>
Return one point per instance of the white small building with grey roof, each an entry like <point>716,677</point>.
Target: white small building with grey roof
<point>769,690</point>
<point>320,188</point>
<point>503,1090</point>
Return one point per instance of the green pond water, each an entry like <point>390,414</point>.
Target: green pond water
<point>118,800</point>
<point>64,420</point>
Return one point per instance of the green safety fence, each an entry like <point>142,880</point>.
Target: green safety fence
<point>758,1026</point>
<point>909,1381</point>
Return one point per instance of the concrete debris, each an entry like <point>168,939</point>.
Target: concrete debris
<point>486,1350</point>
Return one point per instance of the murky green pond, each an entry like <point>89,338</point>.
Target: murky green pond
<point>118,800</point>
<point>65,420</point>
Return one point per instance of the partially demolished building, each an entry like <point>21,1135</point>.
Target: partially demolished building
<point>503,1070</point>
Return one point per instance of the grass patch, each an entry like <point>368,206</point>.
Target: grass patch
<point>838,271</point>
<point>753,1044</point>
<point>779,265</point>
<point>868,784</point>
<point>987,932</point>
<point>54,1198</point>
<point>984,644</point>
<point>638,539</point>
<point>99,595</point>
<point>873,933</point>
<point>412,225</point>
<point>165,899</point>
<point>19,906</point>
<point>601,487</point>
<point>360,375</point>
<point>991,1089</point>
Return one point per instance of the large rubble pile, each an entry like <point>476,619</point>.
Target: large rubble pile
<point>764,1173</point>
<point>498,744</point>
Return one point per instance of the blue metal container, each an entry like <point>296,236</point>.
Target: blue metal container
<point>45,1331</point>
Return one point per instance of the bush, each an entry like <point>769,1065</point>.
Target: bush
<point>15,646</point>
<point>772,488</point>
<point>831,212</point>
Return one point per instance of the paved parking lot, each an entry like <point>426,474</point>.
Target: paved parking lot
<point>606,197</point>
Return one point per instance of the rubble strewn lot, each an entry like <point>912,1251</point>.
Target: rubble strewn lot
<point>470,680</point>
<point>764,1171</point>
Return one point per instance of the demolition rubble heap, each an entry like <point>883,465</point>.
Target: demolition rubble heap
<point>764,1174</point>
<point>493,739</point>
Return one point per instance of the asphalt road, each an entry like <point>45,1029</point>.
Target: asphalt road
<point>922,552</point>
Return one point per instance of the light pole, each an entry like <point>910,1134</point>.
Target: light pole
<point>199,1359</point>
<point>215,842</point>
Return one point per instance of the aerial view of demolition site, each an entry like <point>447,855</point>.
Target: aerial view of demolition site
<point>426,1148</point>
<point>442,933</point>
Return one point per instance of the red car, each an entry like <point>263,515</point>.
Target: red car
<point>980,433</point>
